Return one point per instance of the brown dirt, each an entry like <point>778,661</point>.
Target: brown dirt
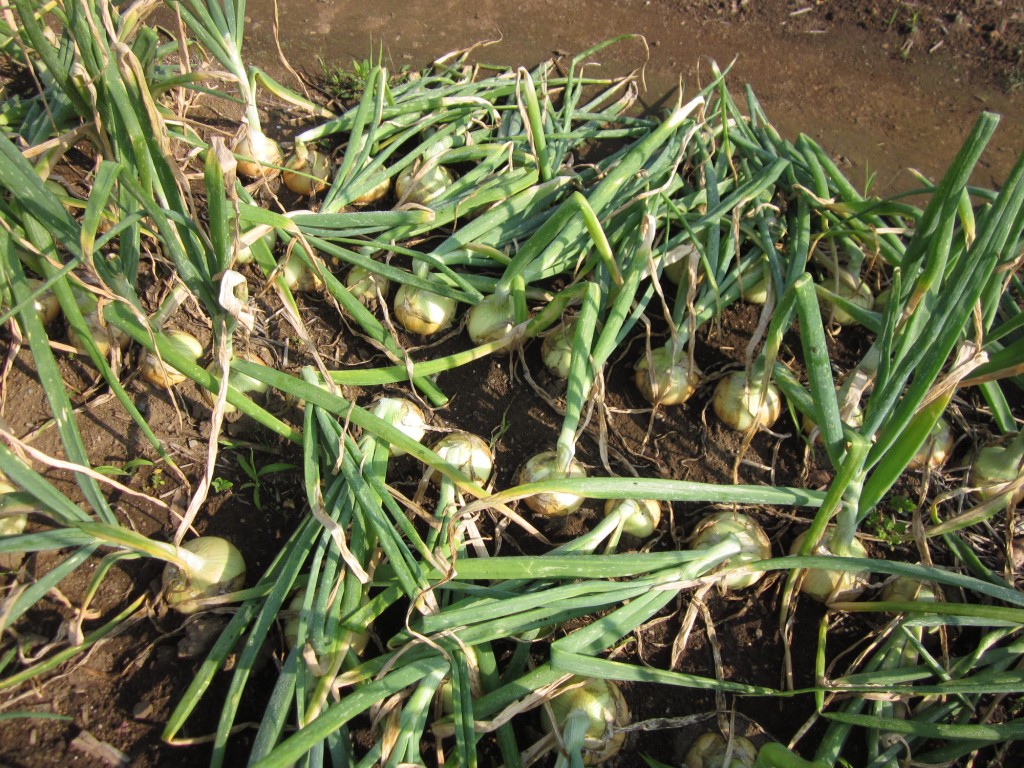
<point>883,85</point>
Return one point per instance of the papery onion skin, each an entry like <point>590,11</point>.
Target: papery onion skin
<point>739,403</point>
<point>543,466</point>
<point>832,586</point>
<point>640,516</point>
<point>403,415</point>
<point>673,383</point>
<point>607,712</point>
<point>423,312</point>
<point>709,750</point>
<point>754,544</point>
<point>936,449</point>
<point>492,319</point>
<point>222,571</point>
<point>161,375</point>
<point>468,453</point>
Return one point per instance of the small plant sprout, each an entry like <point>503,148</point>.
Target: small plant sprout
<point>754,544</point>
<point>423,312</point>
<point>307,171</point>
<point>995,467</point>
<point>404,415</point>
<point>365,285</point>
<point>664,379</point>
<point>158,373</point>
<point>744,402</point>
<point>215,567</point>
<point>710,750</point>
<point>936,449</point>
<point>591,717</point>
<point>544,466</point>
<point>829,586</point>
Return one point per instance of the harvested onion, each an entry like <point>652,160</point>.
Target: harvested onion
<point>742,403</point>
<point>604,707</point>
<point>422,312</point>
<point>215,567</point>
<point>640,517</point>
<point>158,373</point>
<point>827,586</point>
<point>544,466</point>
<point>663,380</point>
<point>754,544</point>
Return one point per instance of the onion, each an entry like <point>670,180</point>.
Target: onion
<point>754,291</point>
<point>556,350</point>
<point>742,403</point>
<point>13,513</point>
<point>754,544</point>
<point>468,453</point>
<point>159,374</point>
<point>299,277</point>
<point>103,335</point>
<point>258,154</point>
<point>832,586</point>
<point>492,319</point>
<point>306,171</point>
<point>290,628</point>
<point>366,285</point>
<point>244,254</point>
<point>710,749</point>
<point>422,312</point>
<point>851,288</point>
<point>936,449</point>
<point>640,517</point>
<point>46,305</point>
<point>672,383</point>
<point>215,568</point>
<point>375,194</point>
<point>996,465</point>
<point>544,466</point>
<point>604,707</point>
<point>404,416</point>
<point>421,186</point>
<point>247,385</point>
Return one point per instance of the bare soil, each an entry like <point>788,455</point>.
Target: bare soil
<point>883,85</point>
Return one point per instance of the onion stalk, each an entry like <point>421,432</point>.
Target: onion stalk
<point>754,544</point>
<point>544,466</point>
<point>590,717</point>
<point>215,567</point>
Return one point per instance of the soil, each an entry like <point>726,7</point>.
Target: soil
<point>883,86</point>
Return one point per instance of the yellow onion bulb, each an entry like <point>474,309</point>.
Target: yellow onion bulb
<point>299,277</point>
<point>936,449</point>
<point>422,312</point>
<point>216,567</point>
<point>365,285</point>
<point>258,155</point>
<point>244,254</point>
<point>996,465</point>
<point>544,466</point>
<point>607,715</point>
<point>247,385</point>
<point>851,288</point>
<point>754,544</point>
<point>158,373</point>
<point>492,319</point>
<point>13,513</point>
<point>556,350</point>
<point>640,517</point>
<point>827,586</point>
<point>422,186</point>
<point>710,749</point>
<point>103,335</point>
<point>403,415</point>
<point>744,404</point>
<point>374,194</point>
<point>307,171</point>
<point>46,305</point>
<point>665,381</point>
<point>468,453</point>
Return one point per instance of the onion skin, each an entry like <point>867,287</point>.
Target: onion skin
<point>606,709</point>
<point>709,751</point>
<point>641,516</point>
<point>739,403</point>
<point>832,586</point>
<point>161,375</point>
<point>672,382</point>
<point>403,415</point>
<point>422,312</point>
<point>754,544</point>
<point>222,572</point>
<point>543,466</point>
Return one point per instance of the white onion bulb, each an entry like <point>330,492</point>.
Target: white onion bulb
<point>544,466</point>
<point>709,751</point>
<point>607,714</point>
<point>936,449</point>
<point>422,312</point>
<point>217,568</point>
<point>13,514</point>
<point>754,544</point>
<point>491,319</point>
<point>158,373</point>
<point>851,288</point>
<point>556,350</point>
<point>827,586</point>
<point>743,404</point>
<point>365,285</point>
<point>421,188</point>
<point>299,277</point>
<point>306,171</point>
<point>258,154</point>
<point>640,517</point>
<point>468,453</point>
<point>290,627</point>
<point>46,305</point>
<point>996,465</point>
<point>404,416</point>
<point>672,382</point>
<point>247,385</point>
<point>103,335</point>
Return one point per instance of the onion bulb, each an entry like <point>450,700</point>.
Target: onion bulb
<point>215,568</point>
<point>46,305</point>
<point>996,465</point>
<point>851,288</point>
<point>663,380</point>
<point>375,194</point>
<point>493,318</point>
<point>754,544</point>
<point>247,385</point>
<point>936,449</point>
<point>640,517</point>
<point>742,403</point>
<point>299,277</point>
<point>103,335</point>
<point>290,629</point>
<point>832,586</point>
<point>13,513</point>
<point>404,416</point>
<point>420,185</point>
<point>754,289</point>
<point>468,453</point>
<point>709,750</point>
<point>606,712</point>
<point>306,171</point>
<point>244,254</point>
<point>544,466</point>
<point>258,155</point>
<point>365,285</point>
<point>556,350</point>
<point>422,312</point>
<point>158,373</point>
